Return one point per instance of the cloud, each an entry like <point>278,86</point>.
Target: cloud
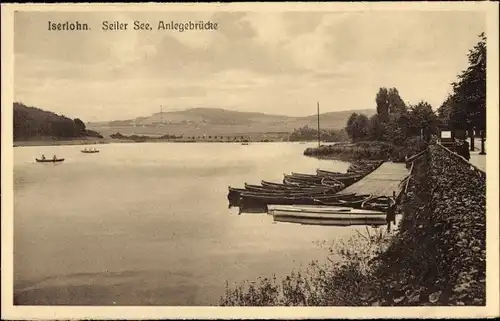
<point>279,63</point>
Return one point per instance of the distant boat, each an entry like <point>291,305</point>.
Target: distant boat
<point>245,143</point>
<point>51,160</point>
<point>90,151</point>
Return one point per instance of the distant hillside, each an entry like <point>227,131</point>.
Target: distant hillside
<point>218,121</point>
<point>32,122</point>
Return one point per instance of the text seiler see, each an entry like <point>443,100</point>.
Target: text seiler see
<point>118,25</point>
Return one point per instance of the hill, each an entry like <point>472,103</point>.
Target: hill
<point>216,121</point>
<point>32,122</point>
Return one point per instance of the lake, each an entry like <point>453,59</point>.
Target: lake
<point>149,224</point>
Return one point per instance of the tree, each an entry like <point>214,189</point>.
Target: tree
<point>382,104</point>
<point>357,126</point>
<point>376,129</point>
<point>389,101</point>
<point>395,102</point>
<point>469,94</point>
<point>423,120</point>
<point>444,111</point>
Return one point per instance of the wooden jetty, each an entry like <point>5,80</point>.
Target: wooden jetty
<point>383,181</point>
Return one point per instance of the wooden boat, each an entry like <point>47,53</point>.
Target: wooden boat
<point>262,201</point>
<point>321,172</point>
<point>240,191</point>
<point>272,184</point>
<point>381,203</point>
<point>333,216</point>
<point>89,151</point>
<point>264,197</point>
<point>308,211</point>
<point>302,179</point>
<point>51,160</point>
<point>278,208</point>
<point>354,202</point>
<point>329,181</point>
<point>258,188</point>
<point>300,183</point>
<point>293,186</point>
<point>347,220</point>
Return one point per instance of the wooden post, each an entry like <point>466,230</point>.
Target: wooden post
<point>319,139</point>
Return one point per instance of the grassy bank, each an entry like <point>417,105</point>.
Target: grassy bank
<point>437,256</point>
<point>372,150</point>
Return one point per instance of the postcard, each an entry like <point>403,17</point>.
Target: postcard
<point>253,160</point>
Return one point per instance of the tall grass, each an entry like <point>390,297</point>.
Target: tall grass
<point>340,280</point>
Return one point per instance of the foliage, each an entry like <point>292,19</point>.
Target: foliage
<point>388,101</point>
<point>372,150</point>
<point>465,108</point>
<point>394,121</point>
<point>376,128</point>
<point>307,133</point>
<point>32,122</point>
<point>422,117</point>
<point>439,255</point>
<point>357,126</point>
<point>336,282</point>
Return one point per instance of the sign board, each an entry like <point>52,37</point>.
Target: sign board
<point>446,134</point>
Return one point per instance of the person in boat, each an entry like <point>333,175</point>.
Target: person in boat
<point>54,158</point>
<point>43,157</point>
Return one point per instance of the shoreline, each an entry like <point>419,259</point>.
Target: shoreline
<point>82,142</point>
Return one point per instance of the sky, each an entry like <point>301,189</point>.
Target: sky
<point>270,62</point>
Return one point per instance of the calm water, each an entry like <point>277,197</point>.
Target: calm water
<point>149,223</point>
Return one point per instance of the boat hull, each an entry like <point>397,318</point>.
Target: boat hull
<point>305,210</point>
<point>333,220</point>
<point>49,160</point>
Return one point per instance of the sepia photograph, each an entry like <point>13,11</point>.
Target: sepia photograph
<point>224,155</point>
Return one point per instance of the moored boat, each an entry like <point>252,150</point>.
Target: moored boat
<point>327,216</point>
<point>355,201</point>
<point>321,172</point>
<point>347,220</point>
<point>278,208</point>
<point>380,203</point>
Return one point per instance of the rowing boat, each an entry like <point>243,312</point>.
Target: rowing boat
<point>278,208</point>
<point>90,151</point>
<point>322,172</point>
<point>258,188</point>
<point>50,160</point>
<point>355,201</point>
<point>252,200</point>
<point>339,216</point>
<point>308,210</point>
<point>348,220</point>
<point>381,203</point>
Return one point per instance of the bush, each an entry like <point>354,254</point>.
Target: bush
<point>372,150</point>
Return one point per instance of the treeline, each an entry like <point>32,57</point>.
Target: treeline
<point>143,137</point>
<point>307,133</point>
<point>31,122</point>
<point>463,110</point>
<point>465,107</point>
<point>394,121</point>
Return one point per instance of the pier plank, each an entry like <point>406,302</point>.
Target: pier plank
<point>381,182</point>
